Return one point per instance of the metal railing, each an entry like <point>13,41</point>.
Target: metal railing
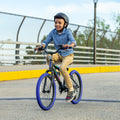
<point>18,32</point>
<point>26,28</point>
<point>82,54</point>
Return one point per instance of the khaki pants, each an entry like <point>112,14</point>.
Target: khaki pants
<point>65,61</point>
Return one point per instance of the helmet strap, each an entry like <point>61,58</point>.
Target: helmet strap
<point>65,25</point>
<point>59,31</point>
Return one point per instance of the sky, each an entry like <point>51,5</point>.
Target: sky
<point>79,11</point>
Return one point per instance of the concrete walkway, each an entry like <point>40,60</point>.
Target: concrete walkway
<point>100,100</point>
<point>37,67</point>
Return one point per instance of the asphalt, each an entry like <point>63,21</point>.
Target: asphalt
<point>100,100</point>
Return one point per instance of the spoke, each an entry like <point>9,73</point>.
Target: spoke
<point>76,85</point>
<point>46,91</point>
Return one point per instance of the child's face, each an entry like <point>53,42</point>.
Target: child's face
<point>59,24</point>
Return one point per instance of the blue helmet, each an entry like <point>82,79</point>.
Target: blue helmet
<point>63,16</point>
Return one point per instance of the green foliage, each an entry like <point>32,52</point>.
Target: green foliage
<point>85,38</point>
<point>32,53</point>
<point>104,38</point>
<point>117,22</point>
<point>44,37</point>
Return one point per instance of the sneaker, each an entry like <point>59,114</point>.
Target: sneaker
<point>70,96</point>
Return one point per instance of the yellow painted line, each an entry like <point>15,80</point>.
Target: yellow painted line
<point>98,69</point>
<point>16,75</point>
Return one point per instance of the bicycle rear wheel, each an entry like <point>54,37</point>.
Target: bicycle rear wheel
<point>77,84</point>
<point>46,91</point>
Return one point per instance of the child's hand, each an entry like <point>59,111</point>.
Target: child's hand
<point>39,49</point>
<point>66,46</point>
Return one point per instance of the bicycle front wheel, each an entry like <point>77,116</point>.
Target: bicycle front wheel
<point>77,84</point>
<point>46,91</point>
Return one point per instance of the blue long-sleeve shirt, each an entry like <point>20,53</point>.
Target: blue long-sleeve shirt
<point>65,37</point>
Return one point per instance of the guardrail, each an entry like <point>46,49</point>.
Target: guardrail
<point>9,54</point>
<point>18,29</point>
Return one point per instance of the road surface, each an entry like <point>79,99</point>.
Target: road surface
<point>100,100</point>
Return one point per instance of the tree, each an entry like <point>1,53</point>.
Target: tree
<point>84,36</point>
<point>44,37</point>
<point>116,39</point>
<point>102,29</point>
<point>116,18</point>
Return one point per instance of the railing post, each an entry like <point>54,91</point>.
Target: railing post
<point>40,30</point>
<point>113,40</point>
<point>18,45</point>
<point>101,40</point>
<point>89,36</point>
<point>75,32</point>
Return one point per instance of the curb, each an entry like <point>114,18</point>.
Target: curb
<point>26,74</point>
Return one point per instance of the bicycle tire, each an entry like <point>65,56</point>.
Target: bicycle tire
<point>78,88</point>
<point>43,90</point>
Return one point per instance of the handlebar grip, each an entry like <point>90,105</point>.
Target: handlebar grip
<point>67,48</point>
<point>60,46</point>
<point>70,47</point>
<point>39,49</point>
<point>64,48</point>
<point>34,49</point>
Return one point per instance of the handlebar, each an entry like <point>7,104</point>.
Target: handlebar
<point>61,47</point>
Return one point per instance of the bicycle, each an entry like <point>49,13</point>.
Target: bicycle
<point>46,86</point>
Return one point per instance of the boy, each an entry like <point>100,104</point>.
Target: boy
<point>62,36</point>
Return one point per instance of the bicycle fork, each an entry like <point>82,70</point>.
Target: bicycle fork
<point>47,89</point>
<point>62,86</point>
